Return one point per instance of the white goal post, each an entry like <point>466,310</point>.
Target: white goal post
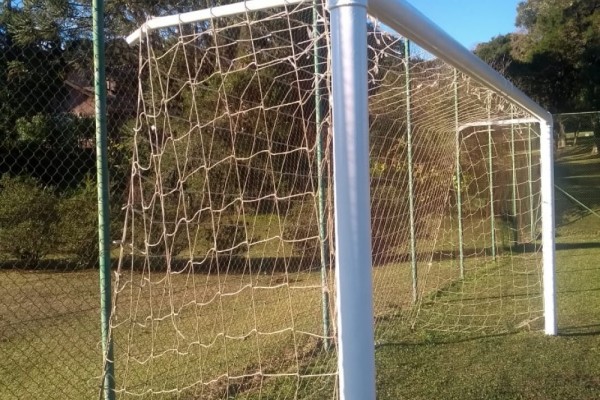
<point>408,21</point>
<point>350,130</point>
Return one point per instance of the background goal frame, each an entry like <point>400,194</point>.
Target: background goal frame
<point>354,292</point>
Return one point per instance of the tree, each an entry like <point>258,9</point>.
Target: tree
<point>555,56</point>
<point>497,52</point>
<point>28,218</point>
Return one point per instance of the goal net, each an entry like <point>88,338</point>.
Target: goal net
<point>225,288</point>
<point>223,281</point>
<point>455,182</point>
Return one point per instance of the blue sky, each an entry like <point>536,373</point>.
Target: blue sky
<point>470,21</point>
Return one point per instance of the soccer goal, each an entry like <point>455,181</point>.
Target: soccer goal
<point>310,179</point>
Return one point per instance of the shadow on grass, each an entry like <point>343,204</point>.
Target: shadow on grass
<point>512,296</point>
<point>268,265</point>
<point>242,264</point>
<point>534,248</point>
<point>578,246</point>
<point>45,265</point>
<point>468,253</point>
<point>442,339</point>
<point>223,265</point>
<point>582,330</point>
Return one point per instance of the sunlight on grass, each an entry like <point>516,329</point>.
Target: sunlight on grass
<point>249,334</point>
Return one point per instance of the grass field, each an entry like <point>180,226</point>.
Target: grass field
<point>165,339</point>
<point>525,365</point>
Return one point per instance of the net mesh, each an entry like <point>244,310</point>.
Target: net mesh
<point>219,287</point>
<point>224,279</point>
<point>472,159</point>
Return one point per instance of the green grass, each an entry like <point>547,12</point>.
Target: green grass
<point>164,339</point>
<point>49,334</point>
<point>209,335</point>
<point>523,365</point>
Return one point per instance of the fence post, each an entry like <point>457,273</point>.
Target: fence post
<point>491,179</point>
<point>354,301</point>
<point>108,383</point>
<point>321,179</point>
<point>548,227</point>
<point>411,187</point>
<point>515,225</point>
<point>461,255</point>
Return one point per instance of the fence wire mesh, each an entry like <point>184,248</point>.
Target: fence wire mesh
<point>578,218</point>
<point>230,138</point>
<point>49,292</point>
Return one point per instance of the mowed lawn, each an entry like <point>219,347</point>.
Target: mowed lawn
<point>199,336</point>
<point>525,365</point>
<point>193,336</point>
<point>173,339</point>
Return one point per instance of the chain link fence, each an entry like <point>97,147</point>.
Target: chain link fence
<point>49,294</point>
<point>50,343</point>
<point>577,179</point>
<point>571,127</point>
<point>50,333</point>
<point>577,139</point>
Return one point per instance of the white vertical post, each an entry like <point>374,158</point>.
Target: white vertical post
<point>356,346</point>
<point>548,247</point>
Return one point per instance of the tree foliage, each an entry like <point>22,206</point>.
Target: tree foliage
<point>555,55</point>
<point>28,218</point>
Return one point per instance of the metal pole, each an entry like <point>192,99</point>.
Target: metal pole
<point>319,109</point>
<point>411,190</point>
<point>206,14</point>
<point>548,245</point>
<point>461,255</point>
<point>354,301</point>
<point>574,200</point>
<point>409,22</point>
<point>491,181</point>
<point>108,384</point>
<point>514,222</point>
<point>530,184</point>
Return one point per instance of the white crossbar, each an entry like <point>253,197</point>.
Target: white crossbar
<point>207,14</point>
<point>502,122</point>
<point>412,24</point>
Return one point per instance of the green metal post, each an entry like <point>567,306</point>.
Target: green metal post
<point>491,182</point>
<point>514,226</point>
<point>461,255</point>
<point>532,224</point>
<point>108,384</point>
<point>411,193</point>
<point>319,110</point>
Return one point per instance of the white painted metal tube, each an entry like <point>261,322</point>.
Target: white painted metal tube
<point>207,14</point>
<point>548,234</point>
<point>578,113</point>
<point>548,223</point>
<point>354,302</point>
<point>409,22</point>
<point>500,122</point>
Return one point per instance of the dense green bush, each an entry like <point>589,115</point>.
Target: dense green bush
<point>302,226</point>
<point>389,224</point>
<point>28,218</point>
<point>230,239</point>
<point>78,225</point>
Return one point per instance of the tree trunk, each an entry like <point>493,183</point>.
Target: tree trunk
<point>596,127</point>
<point>562,136</point>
